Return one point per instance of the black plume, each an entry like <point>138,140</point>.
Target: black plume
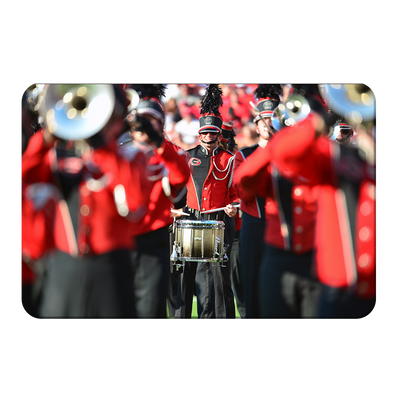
<point>263,91</point>
<point>212,100</point>
<point>148,91</point>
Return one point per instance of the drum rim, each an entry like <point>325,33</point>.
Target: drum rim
<point>197,223</point>
<point>199,259</point>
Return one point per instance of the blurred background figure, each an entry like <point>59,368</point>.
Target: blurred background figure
<point>167,171</point>
<point>100,194</point>
<point>172,116</point>
<point>344,177</point>
<point>186,131</point>
<point>247,136</point>
<point>38,209</point>
<point>341,132</point>
<point>253,207</point>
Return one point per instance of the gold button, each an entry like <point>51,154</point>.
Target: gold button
<point>297,191</point>
<point>364,234</point>
<point>298,229</point>
<point>298,210</point>
<point>85,210</point>
<point>365,208</point>
<point>84,191</point>
<point>298,247</point>
<point>84,248</point>
<point>364,260</point>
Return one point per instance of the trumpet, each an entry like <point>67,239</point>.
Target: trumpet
<point>355,103</point>
<point>77,112</point>
<point>295,109</point>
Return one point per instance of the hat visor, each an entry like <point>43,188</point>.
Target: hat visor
<point>209,130</point>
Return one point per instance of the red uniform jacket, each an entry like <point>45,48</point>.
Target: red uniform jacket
<point>345,228</point>
<point>101,226</point>
<point>210,183</point>
<point>167,172</point>
<point>38,211</point>
<point>290,207</point>
<point>252,205</point>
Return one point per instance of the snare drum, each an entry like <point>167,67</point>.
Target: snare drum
<point>199,240</point>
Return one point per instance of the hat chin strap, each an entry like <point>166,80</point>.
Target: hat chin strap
<point>212,141</point>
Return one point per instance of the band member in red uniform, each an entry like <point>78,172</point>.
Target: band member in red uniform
<point>233,226</point>
<point>168,172</point>
<point>345,229</point>
<point>253,207</point>
<point>38,210</point>
<point>287,287</point>
<point>209,187</point>
<point>90,273</point>
<point>341,132</point>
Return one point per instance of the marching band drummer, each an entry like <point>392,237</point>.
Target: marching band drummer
<point>209,187</point>
<point>253,207</point>
<point>167,172</point>
<point>90,273</point>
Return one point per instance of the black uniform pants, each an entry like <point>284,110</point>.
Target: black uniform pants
<point>211,284</point>
<point>150,283</point>
<point>237,275</point>
<point>251,250</point>
<point>287,288</point>
<point>90,287</point>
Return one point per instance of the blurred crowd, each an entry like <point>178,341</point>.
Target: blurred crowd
<point>182,105</point>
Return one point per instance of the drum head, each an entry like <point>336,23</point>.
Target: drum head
<point>194,224</point>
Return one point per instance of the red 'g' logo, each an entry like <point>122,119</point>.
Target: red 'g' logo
<point>194,162</point>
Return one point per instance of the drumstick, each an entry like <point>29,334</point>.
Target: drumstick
<point>217,209</point>
<point>179,212</point>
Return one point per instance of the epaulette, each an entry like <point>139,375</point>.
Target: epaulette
<point>221,148</point>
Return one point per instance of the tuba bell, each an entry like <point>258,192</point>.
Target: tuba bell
<point>76,112</point>
<point>355,103</point>
<point>295,109</point>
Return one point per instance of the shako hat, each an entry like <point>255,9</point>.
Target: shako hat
<point>227,131</point>
<point>149,100</point>
<point>268,98</point>
<point>210,118</point>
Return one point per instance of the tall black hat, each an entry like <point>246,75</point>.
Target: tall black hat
<point>149,99</point>
<point>210,118</point>
<point>227,131</point>
<point>268,98</point>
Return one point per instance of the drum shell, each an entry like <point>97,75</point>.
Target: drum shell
<point>200,240</point>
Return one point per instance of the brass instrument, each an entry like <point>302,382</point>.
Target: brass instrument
<point>355,103</point>
<point>295,109</point>
<point>76,112</point>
